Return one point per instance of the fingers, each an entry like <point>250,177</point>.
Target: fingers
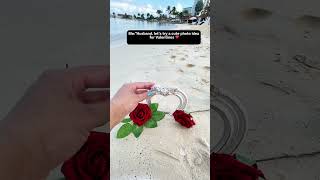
<point>142,96</point>
<point>91,77</point>
<point>97,104</point>
<point>142,85</point>
<point>89,97</point>
<point>140,91</point>
<point>98,113</point>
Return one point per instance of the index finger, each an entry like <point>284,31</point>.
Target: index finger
<point>142,85</point>
<point>91,76</point>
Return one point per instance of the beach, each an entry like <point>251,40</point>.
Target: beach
<point>168,151</point>
<point>267,56</point>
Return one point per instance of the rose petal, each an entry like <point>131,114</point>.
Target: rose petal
<point>141,114</point>
<point>225,166</point>
<point>183,118</point>
<point>90,162</point>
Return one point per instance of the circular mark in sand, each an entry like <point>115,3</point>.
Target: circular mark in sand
<point>229,123</point>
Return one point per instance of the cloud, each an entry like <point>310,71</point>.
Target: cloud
<point>128,6</point>
<point>179,7</point>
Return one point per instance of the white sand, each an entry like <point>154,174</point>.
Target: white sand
<point>168,151</point>
<point>283,119</point>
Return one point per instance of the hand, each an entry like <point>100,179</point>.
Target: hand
<point>127,99</point>
<point>53,120</point>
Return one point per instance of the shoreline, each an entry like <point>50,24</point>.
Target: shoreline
<point>119,39</point>
<point>166,148</point>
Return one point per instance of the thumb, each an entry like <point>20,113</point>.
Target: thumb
<point>142,96</point>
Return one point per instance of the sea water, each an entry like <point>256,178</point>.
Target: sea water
<point>119,28</point>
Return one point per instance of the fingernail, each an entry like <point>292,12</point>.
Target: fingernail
<point>150,93</point>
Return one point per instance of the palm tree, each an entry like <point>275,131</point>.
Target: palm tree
<point>180,15</point>
<point>174,11</point>
<point>142,16</point>
<point>114,14</point>
<point>148,15</point>
<point>134,16</point>
<point>169,10</point>
<point>199,6</point>
<point>206,11</point>
<point>159,12</point>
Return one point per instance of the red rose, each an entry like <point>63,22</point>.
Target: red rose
<point>224,166</point>
<point>183,118</point>
<point>91,162</point>
<point>141,114</point>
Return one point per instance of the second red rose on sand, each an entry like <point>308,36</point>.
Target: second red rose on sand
<point>91,162</point>
<point>226,167</point>
<point>141,114</point>
<point>183,118</point>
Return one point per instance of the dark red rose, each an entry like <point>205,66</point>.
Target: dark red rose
<point>183,118</point>
<point>91,162</point>
<point>141,114</point>
<point>225,167</point>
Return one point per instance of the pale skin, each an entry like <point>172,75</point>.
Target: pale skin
<point>126,99</point>
<point>53,119</point>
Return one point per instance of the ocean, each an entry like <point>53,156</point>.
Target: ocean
<point>119,28</point>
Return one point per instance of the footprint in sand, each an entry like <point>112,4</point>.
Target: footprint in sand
<point>182,59</point>
<point>205,81</point>
<point>203,56</point>
<point>277,57</point>
<point>190,65</point>
<point>180,70</point>
<point>306,35</point>
<point>197,89</point>
<point>186,55</point>
<point>255,13</point>
<point>173,57</point>
<point>206,67</point>
<point>308,21</point>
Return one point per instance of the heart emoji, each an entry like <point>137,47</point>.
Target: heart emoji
<point>177,37</point>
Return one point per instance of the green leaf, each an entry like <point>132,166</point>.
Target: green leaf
<point>154,107</point>
<point>137,130</point>
<point>126,120</point>
<point>245,160</point>
<point>151,123</point>
<point>158,115</point>
<point>124,130</point>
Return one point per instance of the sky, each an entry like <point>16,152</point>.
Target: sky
<point>147,6</point>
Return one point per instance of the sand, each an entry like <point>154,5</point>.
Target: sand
<point>168,151</point>
<point>269,59</point>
